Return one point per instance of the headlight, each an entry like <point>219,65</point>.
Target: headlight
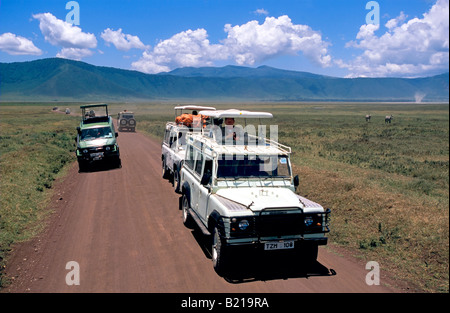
<point>85,151</point>
<point>309,221</point>
<point>108,148</point>
<point>243,224</point>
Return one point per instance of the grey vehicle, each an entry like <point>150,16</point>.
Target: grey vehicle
<point>243,197</point>
<point>126,121</point>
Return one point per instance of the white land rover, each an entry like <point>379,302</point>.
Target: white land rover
<point>174,142</point>
<point>242,194</point>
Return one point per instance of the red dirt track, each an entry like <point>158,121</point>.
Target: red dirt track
<point>124,229</point>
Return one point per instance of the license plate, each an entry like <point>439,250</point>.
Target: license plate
<point>279,245</point>
<point>97,156</point>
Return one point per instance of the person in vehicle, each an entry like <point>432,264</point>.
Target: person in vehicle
<point>227,134</point>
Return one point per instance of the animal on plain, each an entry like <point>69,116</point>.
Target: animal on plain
<point>368,117</point>
<point>388,119</point>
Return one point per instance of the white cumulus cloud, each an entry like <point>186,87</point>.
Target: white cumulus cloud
<point>417,47</point>
<point>74,53</point>
<point>17,45</point>
<point>121,41</point>
<point>261,12</point>
<point>188,48</point>
<point>246,44</point>
<point>253,42</point>
<point>72,39</point>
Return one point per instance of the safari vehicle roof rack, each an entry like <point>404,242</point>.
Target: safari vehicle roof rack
<point>88,106</point>
<point>257,141</point>
<point>269,146</point>
<point>179,109</point>
<point>86,119</point>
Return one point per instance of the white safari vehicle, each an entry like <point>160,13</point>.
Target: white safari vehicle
<point>174,142</point>
<point>242,194</point>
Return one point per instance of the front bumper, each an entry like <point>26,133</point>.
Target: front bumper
<point>270,226</point>
<point>259,243</point>
<point>94,154</point>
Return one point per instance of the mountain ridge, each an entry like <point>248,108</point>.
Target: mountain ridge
<point>62,79</point>
<point>230,71</point>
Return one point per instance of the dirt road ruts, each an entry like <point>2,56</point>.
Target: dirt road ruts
<point>123,227</point>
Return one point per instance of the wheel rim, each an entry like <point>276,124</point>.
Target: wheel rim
<point>175,179</point>
<point>214,248</point>
<point>185,209</point>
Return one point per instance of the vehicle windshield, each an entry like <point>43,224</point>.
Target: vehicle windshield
<point>239,166</point>
<point>127,116</point>
<point>95,133</point>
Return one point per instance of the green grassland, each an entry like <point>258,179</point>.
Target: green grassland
<point>386,184</point>
<point>35,146</point>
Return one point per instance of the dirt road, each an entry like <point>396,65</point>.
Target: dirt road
<point>124,230</point>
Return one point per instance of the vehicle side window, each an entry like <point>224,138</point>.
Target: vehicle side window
<point>208,168</point>
<point>199,163</point>
<point>189,162</point>
<point>166,136</point>
<point>172,140</point>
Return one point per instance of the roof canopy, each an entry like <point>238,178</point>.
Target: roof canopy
<point>194,107</point>
<point>236,114</point>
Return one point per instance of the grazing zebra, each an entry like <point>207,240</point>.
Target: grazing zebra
<point>368,117</point>
<point>388,119</point>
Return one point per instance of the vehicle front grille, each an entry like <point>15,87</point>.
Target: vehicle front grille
<point>286,222</point>
<point>279,223</point>
<point>96,149</point>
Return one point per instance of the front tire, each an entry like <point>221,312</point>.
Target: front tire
<point>218,252</point>
<point>82,166</point>
<point>308,253</point>
<point>187,218</point>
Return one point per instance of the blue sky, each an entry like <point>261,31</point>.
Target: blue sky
<point>330,37</point>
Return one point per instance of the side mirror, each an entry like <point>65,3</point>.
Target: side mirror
<point>296,181</point>
<point>117,134</point>
<point>78,130</point>
<point>205,179</point>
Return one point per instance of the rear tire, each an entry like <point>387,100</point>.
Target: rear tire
<point>176,180</point>
<point>165,171</point>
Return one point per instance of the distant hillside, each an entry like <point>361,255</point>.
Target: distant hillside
<point>67,80</point>
<point>231,71</point>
